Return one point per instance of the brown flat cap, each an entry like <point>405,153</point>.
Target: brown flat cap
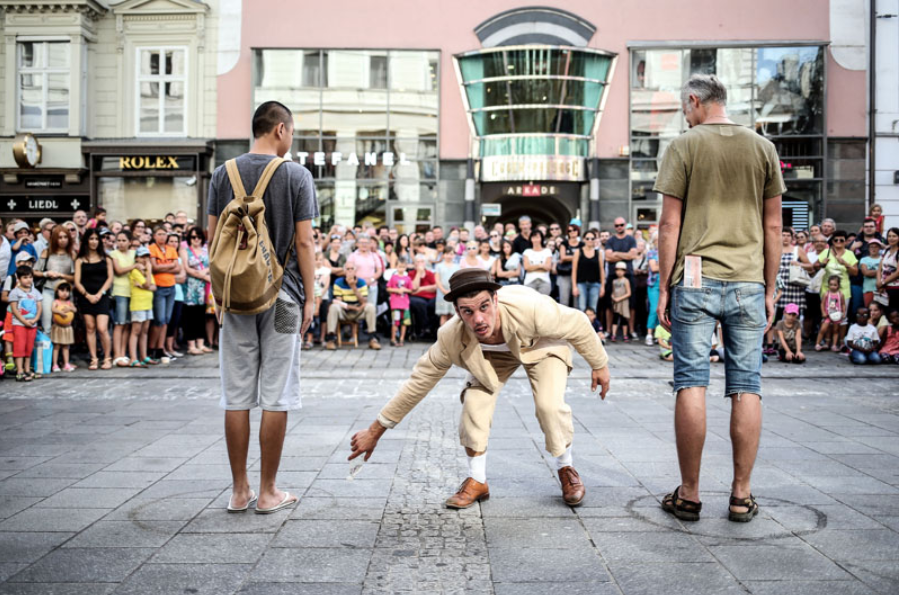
<point>468,280</point>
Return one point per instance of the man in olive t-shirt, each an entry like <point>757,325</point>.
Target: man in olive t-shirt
<point>721,222</point>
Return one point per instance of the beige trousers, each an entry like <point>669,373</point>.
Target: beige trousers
<point>336,314</point>
<point>548,379</point>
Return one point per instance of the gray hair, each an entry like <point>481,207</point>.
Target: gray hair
<point>706,88</point>
<point>363,236</point>
<point>829,220</point>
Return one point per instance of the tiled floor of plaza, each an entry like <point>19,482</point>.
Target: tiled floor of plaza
<point>116,482</point>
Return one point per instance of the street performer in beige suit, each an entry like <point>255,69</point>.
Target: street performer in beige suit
<point>495,330</point>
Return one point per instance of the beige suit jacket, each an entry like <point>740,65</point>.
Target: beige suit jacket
<point>535,327</point>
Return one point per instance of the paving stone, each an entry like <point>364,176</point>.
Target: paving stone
<point>33,486</point>
<point>169,509</point>
<point>657,547</point>
<point>198,579</point>
<point>70,470</point>
<point>56,588</point>
<point>120,479</point>
<point>10,505</point>
<point>219,521</point>
<point>567,588</point>
<point>340,488</point>
<point>213,549</point>
<point>322,534</point>
<point>145,464</point>
<point>85,565</point>
<point>651,579</point>
<point>313,565</point>
<point>368,509</point>
<point>536,533</point>
<point>514,565</point>
<point>89,498</point>
<point>53,519</point>
<point>27,547</point>
<point>867,544</point>
<point>126,534</point>
<point>807,588</point>
<point>301,589</point>
<point>771,562</point>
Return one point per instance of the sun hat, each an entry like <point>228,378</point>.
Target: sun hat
<point>621,265</point>
<point>23,256</point>
<point>20,226</point>
<point>468,280</point>
<point>142,251</point>
<point>791,309</point>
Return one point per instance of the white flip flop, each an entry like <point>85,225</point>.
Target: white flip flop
<point>286,502</point>
<point>252,499</point>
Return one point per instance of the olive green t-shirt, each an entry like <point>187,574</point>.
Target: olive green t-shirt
<point>723,173</point>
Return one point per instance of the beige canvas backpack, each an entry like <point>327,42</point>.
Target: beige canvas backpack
<point>244,268</point>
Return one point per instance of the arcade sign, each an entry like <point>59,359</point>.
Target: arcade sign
<point>530,190</point>
<point>519,168</point>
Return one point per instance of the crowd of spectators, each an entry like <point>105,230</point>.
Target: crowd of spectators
<point>76,280</point>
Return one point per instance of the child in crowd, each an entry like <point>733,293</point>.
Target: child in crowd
<point>61,332</point>
<point>833,314</point>
<point>322,287</point>
<point>890,350</point>
<point>621,295</point>
<point>867,267</point>
<point>399,287</point>
<point>22,259</point>
<point>141,306</point>
<point>863,340</point>
<point>789,336</point>
<point>879,319</point>
<point>594,322</point>
<point>25,302</point>
<point>663,337</point>
<point>877,214</point>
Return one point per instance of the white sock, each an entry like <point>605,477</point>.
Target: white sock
<point>564,459</point>
<point>477,468</point>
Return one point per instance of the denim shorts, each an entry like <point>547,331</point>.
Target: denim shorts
<point>141,315</point>
<point>740,307</point>
<point>163,304</point>
<point>121,310</point>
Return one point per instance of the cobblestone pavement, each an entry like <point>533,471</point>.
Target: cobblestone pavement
<point>116,482</point>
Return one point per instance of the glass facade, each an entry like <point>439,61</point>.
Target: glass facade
<point>43,93</point>
<point>366,125</point>
<point>777,91</point>
<point>523,100</point>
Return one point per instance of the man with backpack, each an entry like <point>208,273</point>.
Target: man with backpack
<point>261,265</point>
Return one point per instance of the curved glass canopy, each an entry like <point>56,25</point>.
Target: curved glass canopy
<point>534,100</point>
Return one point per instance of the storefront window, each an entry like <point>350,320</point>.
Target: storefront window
<point>365,120</point>
<point>126,198</point>
<point>777,91</point>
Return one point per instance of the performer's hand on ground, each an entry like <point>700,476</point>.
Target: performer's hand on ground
<point>662,309</point>
<point>601,377</point>
<point>365,441</point>
<point>308,314</point>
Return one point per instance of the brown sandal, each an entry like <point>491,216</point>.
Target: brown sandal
<point>107,364</point>
<point>685,510</point>
<point>743,517</point>
<point>95,363</point>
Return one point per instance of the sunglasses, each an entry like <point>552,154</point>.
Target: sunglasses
<point>589,239</point>
<point>554,228</point>
<point>839,240</point>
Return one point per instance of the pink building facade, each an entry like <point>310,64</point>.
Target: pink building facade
<point>413,113</point>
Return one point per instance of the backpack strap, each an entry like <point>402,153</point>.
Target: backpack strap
<point>266,177</point>
<point>234,177</point>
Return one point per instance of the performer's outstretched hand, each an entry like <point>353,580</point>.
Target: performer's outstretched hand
<point>601,377</point>
<point>365,441</point>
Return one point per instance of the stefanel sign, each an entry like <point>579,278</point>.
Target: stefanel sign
<point>320,158</point>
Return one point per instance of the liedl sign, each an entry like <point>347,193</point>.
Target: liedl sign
<point>40,205</point>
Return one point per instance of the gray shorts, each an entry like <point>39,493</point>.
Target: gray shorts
<point>260,358</point>
<point>141,315</point>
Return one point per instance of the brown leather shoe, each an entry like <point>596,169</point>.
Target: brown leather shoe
<point>374,344</point>
<point>573,490</point>
<point>331,346</point>
<point>469,493</point>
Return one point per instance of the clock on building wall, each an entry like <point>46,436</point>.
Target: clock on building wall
<point>26,150</point>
